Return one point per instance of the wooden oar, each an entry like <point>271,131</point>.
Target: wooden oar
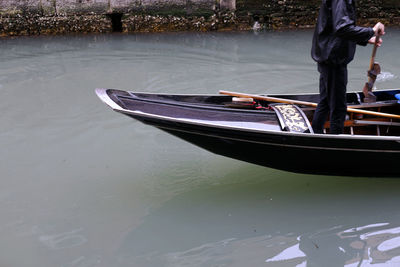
<point>373,71</point>
<point>298,102</point>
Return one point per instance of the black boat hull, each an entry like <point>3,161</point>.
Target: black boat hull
<point>300,153</point>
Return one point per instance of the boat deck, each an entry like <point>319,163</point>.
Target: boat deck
<point>218,110</point>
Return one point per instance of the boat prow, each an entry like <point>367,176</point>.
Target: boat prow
<point>102,94</point>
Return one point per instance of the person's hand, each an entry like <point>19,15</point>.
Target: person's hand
<point>379,29</point>
<point>373,39</point>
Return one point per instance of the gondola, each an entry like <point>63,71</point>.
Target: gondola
<point>275,134</point>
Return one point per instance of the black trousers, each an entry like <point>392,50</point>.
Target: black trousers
<point>332,90</point>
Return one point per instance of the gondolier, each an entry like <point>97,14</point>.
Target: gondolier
<point>334,44</point>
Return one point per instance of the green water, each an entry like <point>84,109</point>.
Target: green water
<point>84,186</point>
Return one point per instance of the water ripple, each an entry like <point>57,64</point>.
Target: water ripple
<point>385,76</point>
<point>63,240</point>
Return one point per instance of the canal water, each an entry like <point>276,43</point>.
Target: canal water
<point>81,185</point>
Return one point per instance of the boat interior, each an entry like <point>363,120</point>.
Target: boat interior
<point>262,114</point>
<point>375,124</point>
<point>366,124</point>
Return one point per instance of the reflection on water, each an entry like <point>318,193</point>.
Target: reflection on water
<point>271,223</point>
<point>84,186</point>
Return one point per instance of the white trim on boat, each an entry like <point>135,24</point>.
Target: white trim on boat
<point>102,94</point>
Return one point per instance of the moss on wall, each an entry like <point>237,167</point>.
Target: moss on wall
<point>32,17</point>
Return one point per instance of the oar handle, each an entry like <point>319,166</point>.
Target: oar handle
<point>372,61</point>
<point>297,102</point>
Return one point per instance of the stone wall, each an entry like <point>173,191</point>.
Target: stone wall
<point>387,11</point>
<point>302,13</point>
<point>34,17</point>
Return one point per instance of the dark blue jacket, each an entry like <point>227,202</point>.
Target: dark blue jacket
<point>336,34</point>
